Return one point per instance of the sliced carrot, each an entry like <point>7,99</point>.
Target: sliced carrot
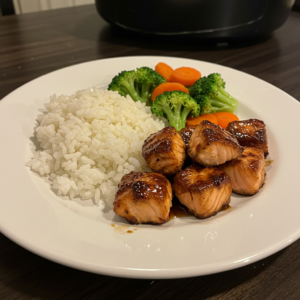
<point>224,118</point>
<point>164,70</point>
<point>185,75</point>
<point>168,86</point>
<point>198,120</point>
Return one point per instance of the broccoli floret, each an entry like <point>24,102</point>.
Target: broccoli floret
<point>176,106</point>
<point>138,84</point>
<point>210,94</point>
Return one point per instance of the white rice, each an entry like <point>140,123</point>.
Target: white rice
<point>90,140</point>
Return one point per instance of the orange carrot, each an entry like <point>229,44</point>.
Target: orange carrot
<point>185,75</point>
<point>164,70</point>
<point>198,120</point>
<point>168,86</point>
<point>224,118</point>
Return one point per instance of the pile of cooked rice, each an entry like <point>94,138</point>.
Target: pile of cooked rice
<point>90,140</point>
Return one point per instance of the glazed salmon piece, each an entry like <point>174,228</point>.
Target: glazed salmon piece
<point>165,151</point>
<point>250,133</point>
<point>211,145</point>
<point>144,198</point>
<point>247,172</point>
<point>203,190</point>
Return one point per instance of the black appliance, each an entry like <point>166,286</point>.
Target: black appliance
<point>201,18</point>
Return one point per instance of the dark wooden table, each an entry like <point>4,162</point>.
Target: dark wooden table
<point>34,44</point>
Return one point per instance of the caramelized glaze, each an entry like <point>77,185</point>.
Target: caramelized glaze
<point>268,162</point>
<point>178,210</point>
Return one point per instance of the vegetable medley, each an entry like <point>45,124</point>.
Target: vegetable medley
<point>182,95</point>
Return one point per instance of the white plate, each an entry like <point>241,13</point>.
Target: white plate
<point>82,236</point>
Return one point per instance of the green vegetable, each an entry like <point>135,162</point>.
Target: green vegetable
<point>138,84</point>
<point>210,94</point>
<point>176,106</point>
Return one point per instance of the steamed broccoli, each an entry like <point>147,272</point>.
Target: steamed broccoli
<point>176,106</point>
<point>210,94</point>
<point>138,84</point>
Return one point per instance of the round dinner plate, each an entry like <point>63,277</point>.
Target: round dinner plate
<point>84,236</point>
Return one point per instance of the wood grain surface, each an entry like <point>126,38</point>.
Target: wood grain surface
<point>34,44</point>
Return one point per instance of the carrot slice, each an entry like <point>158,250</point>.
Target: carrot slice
<point>164,70</point>
<point>224,118</point>
<point>185,75</point>
<point>168,86</point>
<point>198,120</point>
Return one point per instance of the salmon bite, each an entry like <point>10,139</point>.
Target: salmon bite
<point>204,191</point>
<point>144,198</point>
<point>210,145</point>
<point>165,151</point>
<point>247,172</point>
<point>250,133</point>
